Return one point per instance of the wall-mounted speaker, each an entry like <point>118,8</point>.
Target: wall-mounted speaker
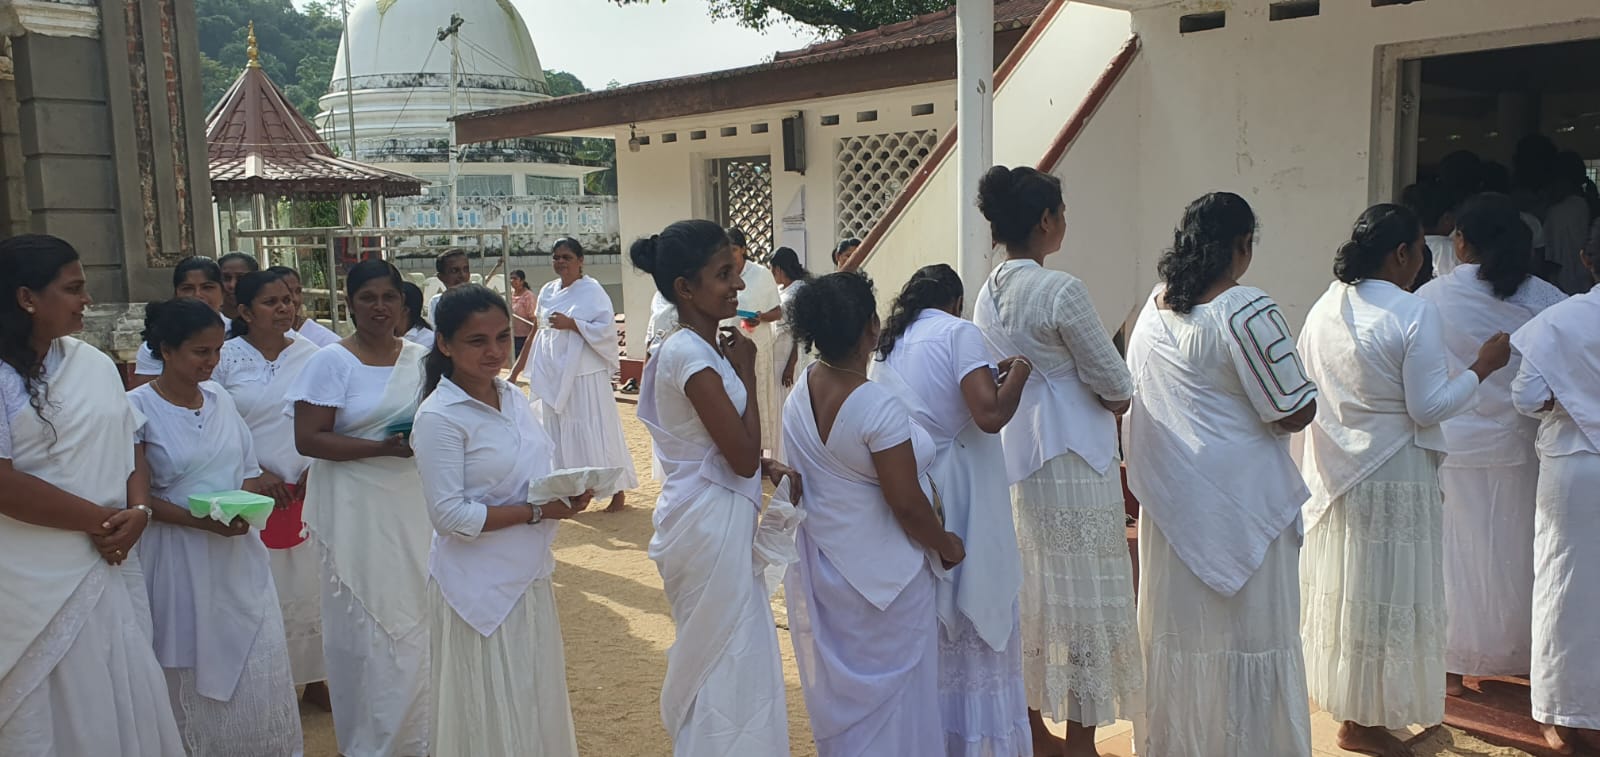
<point>794,144</point>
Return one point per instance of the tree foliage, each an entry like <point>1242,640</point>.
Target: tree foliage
<point>297,47</point>
<point>832,16</point>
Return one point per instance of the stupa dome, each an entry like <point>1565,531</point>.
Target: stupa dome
<point>401,70</point>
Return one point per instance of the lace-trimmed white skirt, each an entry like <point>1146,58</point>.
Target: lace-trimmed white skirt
<point>261,720</point>
<point>1080,639</point>
<point>1372,578</point>
<point>588,433</point>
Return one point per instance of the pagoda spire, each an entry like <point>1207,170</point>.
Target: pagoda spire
<point>251,49</point>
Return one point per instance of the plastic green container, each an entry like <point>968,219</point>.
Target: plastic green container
<point>223,507</point>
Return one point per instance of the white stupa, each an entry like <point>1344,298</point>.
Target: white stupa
<point>401,96</point>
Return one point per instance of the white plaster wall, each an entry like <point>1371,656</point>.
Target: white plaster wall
<point>667,182</point>
<point>1282,113</point>
<point>1030,108</point>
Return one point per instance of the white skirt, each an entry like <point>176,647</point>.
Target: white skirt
<point>502,694</point>
<point>588,433</point>
<point>1225,674</point>
<point>297,572</point>
<point>378,684</point>
<point>1566,642</point>
<point>767,386</point>
<point>981,695</point>
<point>105,695</point>
<point>1372,575</point>
<point>261,720</point>
<point>1080,636</point>
<point>1488,567</point>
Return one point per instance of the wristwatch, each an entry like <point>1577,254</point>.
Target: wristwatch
<point>149,514</point>
<point>538,513</point>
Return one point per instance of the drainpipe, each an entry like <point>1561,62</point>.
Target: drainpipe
<point>975,136</point>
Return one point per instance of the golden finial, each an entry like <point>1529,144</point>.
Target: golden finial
<point>254,52</point>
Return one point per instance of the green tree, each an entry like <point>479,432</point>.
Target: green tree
<point>832,16</point>
<point>563,83</point>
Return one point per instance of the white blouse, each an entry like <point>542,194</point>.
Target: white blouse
<point>1561,360</point>
<point>933,357</point>
<point>1377,354</point>
<point>472,457</point>
<point>320,335</point>
<point>335,377</point>
<point>259,387</point>
<point>420,335</point>
<point>690,459</point>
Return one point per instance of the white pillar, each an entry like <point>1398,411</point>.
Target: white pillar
<point>974,136</point>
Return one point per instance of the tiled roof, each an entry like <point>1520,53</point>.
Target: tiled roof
<point>257,143</point>
<point>930,29</point>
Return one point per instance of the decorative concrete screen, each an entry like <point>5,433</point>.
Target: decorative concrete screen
<point>870,171</point>
<point>744,198</point>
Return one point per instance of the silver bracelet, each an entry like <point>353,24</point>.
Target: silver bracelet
<point>149,514</point>
<point>538,514</point>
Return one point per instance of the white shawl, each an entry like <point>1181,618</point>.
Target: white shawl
<point>1547,343</point>
<point>559,356</point>
<point>370,513</point>
<point>968,471</point>
<point>1058,412</point>
<point>86,450</point>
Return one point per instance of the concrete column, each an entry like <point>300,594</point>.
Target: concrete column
<point>974,136</point>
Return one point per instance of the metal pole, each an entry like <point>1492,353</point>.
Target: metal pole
<point>453,32</point>
<point>975,134</point>
<point>332,280</point>
<point>349,83</point>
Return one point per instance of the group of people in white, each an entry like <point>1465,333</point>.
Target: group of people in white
<point>941,498</point>
<point>403,577</point>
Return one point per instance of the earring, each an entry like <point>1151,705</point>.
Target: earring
<point>30,310</point>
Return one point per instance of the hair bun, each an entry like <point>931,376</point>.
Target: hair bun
<point>643,253</point>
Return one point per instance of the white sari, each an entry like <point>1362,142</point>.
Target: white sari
<point>369,518</point>
<point>863,610</point>
<point>77,671</point>
<point>1490,479</point>
<point>760,295</point>
<point>218,632</point>
<point>569,372</point>
<point>258,388</point>
<point>724,691</point>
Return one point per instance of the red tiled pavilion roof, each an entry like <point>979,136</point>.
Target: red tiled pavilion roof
<point>257,143</point>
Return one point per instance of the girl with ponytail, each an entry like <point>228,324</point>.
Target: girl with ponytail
<point>1490,475</point>
<point>940,366</point>
<point>1061,462</point>
<point>1218,391</point>
<point>724,692</point>
<point>1374,593</point>
<point>491,611</point>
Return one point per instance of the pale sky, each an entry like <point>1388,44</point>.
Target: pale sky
<point>600,41</point>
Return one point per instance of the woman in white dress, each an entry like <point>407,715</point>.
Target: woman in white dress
<point>863,608</point>
<point>1372,571</point>
<point>77,671</point>
<point>573,356</point>
<point>724,692</point>
<point>1080,646</point>
<point>414,328</point>
<point>353,406</point>
<point>194,277</point>
<point>218,630</point>
<point>1217,386</point>
<point>760,307</point>
<point>1555,383</point>
<point>499,675</point>
<point>315,332</point>
<point>939,365</point>
<point>259,362</point>
<point>1490,474</point>
<point>788,360</point>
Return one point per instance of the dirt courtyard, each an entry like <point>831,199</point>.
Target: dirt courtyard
<point>616,627</point>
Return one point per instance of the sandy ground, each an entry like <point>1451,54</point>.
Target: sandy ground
<point>617,627</point>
